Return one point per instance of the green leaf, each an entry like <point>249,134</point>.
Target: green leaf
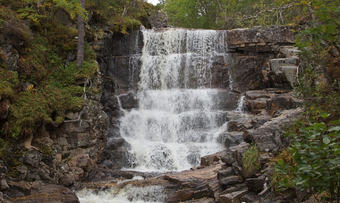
<point>326,140</point>
<point>335,128</point>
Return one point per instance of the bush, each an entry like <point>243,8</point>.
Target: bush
<point>251,161</point>
<point>315,150</point>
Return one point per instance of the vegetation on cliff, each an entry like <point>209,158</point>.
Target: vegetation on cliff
<point>39,78</point>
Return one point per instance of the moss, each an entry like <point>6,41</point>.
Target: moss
<point>46,150</point>
<point>11,156</point>
<point>251,161</point>
<point>8,83</point>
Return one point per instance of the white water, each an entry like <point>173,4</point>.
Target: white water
<point>240,105</point>
<point>178,119</point>
<point>149,194</point>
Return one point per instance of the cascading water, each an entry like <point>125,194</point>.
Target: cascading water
<point>178,118</point>
<point>180,114</point>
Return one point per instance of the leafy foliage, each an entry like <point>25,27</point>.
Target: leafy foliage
<point>315,153</point>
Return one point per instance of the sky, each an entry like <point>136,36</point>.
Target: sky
<point>154,2</point>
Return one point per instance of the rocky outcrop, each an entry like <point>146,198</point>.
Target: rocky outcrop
<point>60,155</point>
<point>262,58</point>
<point>44,193</point>
<point>259,39</point>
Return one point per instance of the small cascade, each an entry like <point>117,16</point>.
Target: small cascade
<point>240,105</point>
<point>178,118</point>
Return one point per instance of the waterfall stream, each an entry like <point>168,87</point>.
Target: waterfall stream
<point>178,118</point>
<point>180,115</point>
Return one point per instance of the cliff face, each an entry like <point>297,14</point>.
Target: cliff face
<point>88,145</point>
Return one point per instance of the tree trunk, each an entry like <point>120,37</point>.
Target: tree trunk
<point>81,37</point>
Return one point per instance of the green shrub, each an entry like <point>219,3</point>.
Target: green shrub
<point>315,150</point>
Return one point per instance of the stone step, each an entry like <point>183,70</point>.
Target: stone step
<point>290,73</point>
<point>289,51</point>
<point>233,197</point>
<point>277,63</point>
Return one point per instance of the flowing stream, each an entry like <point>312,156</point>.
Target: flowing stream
<point>179,115</point>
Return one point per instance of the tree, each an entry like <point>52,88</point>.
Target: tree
<point>81,36</point>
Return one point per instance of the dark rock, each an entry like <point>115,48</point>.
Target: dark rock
<point>128,101</point>
<point>33,158</point>
<point>255,184</point>
<point>269,137</point>
<point>228,159</point>
<point>114,143</point>
<point>234,188</point>
<point>250,197</point>
<point>3,184</point>
<point>230,138</point>
<point>158,19</point>
<point>231,180</point>
<point>202,200</point>
<point>212,159</point>
<point>225,173</point>
<point>238,151</point>
<point>81,161</point>
<point>67,180</point>
<point>282,102</point>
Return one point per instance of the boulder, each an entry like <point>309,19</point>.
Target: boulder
<point>231,180</point>
<point>48,193</point>
<point>211,159</point>
<point>230,139</point>
<point>269,137</point>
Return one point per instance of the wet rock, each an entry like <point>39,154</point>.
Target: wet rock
<point>48,193</point>
<point>233,197</point>
<point>114,143</point>
<point>128,101</point>
<point>231,180</point>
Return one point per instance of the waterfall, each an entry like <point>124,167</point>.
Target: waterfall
<point>178,118</point>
